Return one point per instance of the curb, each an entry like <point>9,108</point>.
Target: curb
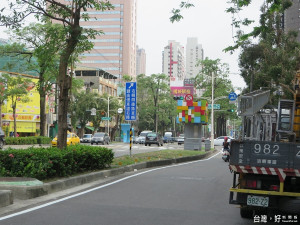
<point>6,198</point>
<point>23,192</point>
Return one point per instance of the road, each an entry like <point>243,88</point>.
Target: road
<point>193,193</point>
<point>121,149</point>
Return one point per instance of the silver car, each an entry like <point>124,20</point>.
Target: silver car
<point>101,137</point>
<point>219,140</point>
<point>87,138</point>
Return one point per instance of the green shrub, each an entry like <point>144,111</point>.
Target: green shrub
<point>45,163</point>
<point>31,140</point>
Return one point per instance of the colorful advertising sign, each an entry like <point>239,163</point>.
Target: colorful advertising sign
<point>32,106</point>
<point>182,91</point>
<point>192,112</point>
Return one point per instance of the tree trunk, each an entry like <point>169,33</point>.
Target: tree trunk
<point>65,81</point>
<point>15,120</point>
<point>43,117</point>
<point>1,114</point>
<point>63,105</point>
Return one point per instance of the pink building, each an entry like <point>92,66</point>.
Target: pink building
<point>115,50</point>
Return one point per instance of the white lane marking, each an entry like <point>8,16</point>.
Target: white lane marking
<point>100,187</point>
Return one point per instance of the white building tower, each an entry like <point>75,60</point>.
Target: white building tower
<point>194,53</point>
<point>174,61</point>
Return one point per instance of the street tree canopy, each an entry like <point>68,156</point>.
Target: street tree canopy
<point>69,15</point>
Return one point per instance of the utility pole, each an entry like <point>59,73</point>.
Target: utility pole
<point>212,111</point>
<point>108,115</point>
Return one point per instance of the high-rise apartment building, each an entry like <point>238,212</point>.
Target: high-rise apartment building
<point>140,61</point>
<point>174,61</point>
<point>115,50</point>
<point>194,53</point>
<point>292,18</point>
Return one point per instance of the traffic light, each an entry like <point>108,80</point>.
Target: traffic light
<point>102,113</point>
<point>230,110</point>
<point>178,98</point>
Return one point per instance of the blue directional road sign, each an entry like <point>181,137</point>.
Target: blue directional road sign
<point>130,101</point>
<point>232,96</point>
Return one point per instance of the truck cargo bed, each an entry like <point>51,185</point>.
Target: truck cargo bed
<point>268,154</point>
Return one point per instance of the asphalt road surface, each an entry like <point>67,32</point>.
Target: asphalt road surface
<point>123,148</point>
<point>193,193</point>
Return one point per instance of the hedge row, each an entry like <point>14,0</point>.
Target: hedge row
<point>27,140</point>
<point>45,163</point>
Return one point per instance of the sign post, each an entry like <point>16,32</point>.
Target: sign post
<point>130,107</point>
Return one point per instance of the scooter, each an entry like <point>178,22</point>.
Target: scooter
<point>226,155</point>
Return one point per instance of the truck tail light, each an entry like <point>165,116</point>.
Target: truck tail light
<point>274,188</point>
<point>253,184</point>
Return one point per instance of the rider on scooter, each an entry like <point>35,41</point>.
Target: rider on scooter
<point>226,144</point>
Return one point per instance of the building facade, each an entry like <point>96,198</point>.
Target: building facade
<point>115,50</point>
<point>173,61</point>
<point>291,18</point>
<point>140,61</point>
<point>194,53</point>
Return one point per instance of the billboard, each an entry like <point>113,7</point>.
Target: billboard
<point>182,91</point>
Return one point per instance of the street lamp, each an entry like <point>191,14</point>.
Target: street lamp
<point>108,97</point>
<point>212,99</point>
<point>107,112</point>
<point>212,135</point>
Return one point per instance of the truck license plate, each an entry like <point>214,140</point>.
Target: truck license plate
<point>257,201</point>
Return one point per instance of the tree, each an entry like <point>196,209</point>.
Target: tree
<point>102,107</point>
<point>17,90</point>
<point>81,107</point>
<point>3,95</point>
<point>272,62</point>
<point>69,16</point>
<point>155,92</point>
<point>271,7</point>
<point>222,87</point>
<point>43,43</point>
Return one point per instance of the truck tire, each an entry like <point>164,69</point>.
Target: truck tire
<point>290,205</point>
<point>245,212</point>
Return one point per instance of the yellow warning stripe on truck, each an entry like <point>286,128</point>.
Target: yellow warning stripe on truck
<point>260,192</point>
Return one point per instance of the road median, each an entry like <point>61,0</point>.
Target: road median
<point>25,191</point>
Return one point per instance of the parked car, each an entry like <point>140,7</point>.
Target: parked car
<point>219,140</point>
<point>142,137</point>
<point>154,138</point>
<point>2,138</point>
<point>134,139</point>
<point>87,138</point>
<point>180,139</point>
<point>72,139</point>
<point>168,137</point>
<point>100,137</point>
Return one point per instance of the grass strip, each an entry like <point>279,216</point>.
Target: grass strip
<point>153,156</point>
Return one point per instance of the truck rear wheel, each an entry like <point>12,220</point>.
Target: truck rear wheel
<point>290,205</point>
<point>245,212</point>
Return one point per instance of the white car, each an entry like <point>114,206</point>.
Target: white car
<point>219,140</point>
<point>180,139</point>
<point>87,138</point>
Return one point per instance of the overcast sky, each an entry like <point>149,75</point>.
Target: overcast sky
<point>207,21</point>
